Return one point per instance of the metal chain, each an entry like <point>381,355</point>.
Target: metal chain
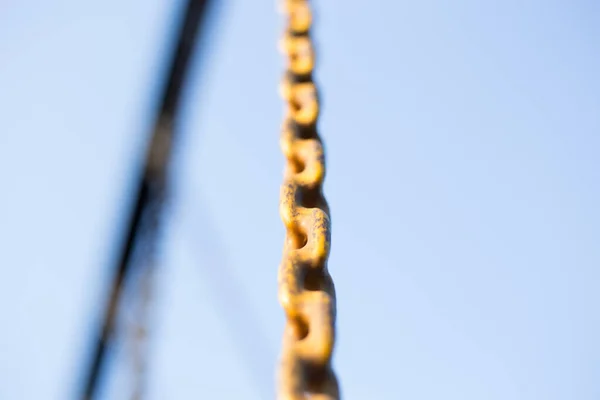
<point>306,291</point>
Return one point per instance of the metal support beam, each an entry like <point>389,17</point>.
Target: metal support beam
<point>151,186</point>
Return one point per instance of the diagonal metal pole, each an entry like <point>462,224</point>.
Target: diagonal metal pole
<point>151,187</point>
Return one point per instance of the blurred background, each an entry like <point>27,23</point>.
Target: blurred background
<point>463,178</point>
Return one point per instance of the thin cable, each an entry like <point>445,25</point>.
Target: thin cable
<point>138,329</point>
<point>231,300</point>
<point>151,187</point>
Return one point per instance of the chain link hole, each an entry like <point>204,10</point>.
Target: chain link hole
<point>313,280</point>
<point>300,240</point>
<point>312,198</point>
<point>298,166</point>
<point>301,329</point>
<point>296,105</point>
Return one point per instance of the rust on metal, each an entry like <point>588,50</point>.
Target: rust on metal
<point>306,291</point>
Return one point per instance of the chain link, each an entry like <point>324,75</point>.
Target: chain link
<point>306,291</point>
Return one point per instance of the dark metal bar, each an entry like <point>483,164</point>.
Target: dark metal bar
<point>151,187</point>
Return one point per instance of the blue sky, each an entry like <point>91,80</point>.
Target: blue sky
<point>462,147</point>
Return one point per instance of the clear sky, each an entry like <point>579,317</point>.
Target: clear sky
<point>463,178</point>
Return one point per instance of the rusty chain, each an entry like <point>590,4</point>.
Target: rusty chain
<point>306,290</point>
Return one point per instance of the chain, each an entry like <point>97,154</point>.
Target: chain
<point>306,291</point>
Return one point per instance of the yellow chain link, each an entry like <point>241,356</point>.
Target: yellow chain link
<point>306,291</point>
